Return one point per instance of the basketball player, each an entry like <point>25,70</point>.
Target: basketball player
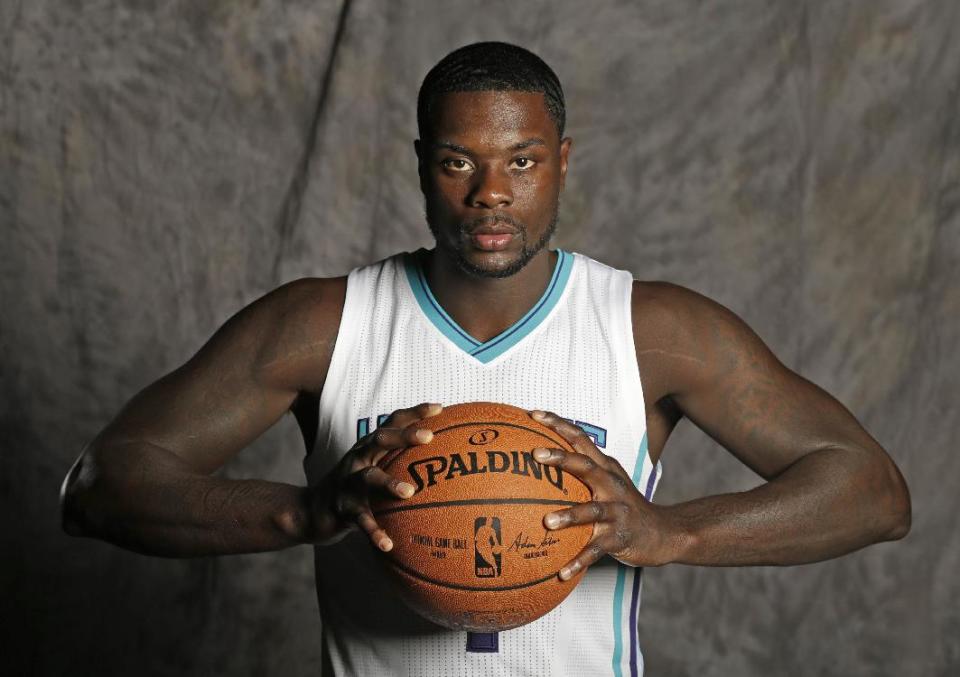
<point>490,313</point>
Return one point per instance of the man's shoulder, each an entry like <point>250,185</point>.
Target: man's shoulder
<point>668,314</point>
<point>300,321</point>
<point>305,290</point>
<point>660,302</point>
<point>305,298</point>
<point>682,335</point>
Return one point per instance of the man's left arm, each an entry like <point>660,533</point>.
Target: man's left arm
<point>830,487</point>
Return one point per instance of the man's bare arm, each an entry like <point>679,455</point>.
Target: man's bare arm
<point>145,482</point>
<point>830,487</point>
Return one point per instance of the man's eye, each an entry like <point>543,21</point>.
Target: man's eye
<point>523,163</point>
<point>456,164</point>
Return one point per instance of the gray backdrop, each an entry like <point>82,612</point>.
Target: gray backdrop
<point>164,163</point>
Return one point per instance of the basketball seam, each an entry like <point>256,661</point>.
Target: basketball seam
<point>456,586</point>
<point>477,501</point>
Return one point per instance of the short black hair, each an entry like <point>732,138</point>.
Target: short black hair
<point>491,66</point>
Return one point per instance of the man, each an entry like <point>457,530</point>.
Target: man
<point>489,314</point>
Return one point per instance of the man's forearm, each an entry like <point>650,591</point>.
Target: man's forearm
<point>144,498</point>
<point>828,503</point>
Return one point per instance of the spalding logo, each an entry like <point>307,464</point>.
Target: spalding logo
<point>428,471</point>
<point>483,437</point>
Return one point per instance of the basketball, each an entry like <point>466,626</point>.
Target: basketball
<point>470,549</point>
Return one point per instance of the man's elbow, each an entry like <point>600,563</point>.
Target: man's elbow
<point>897,515</point>
<point>75,498</point>
<point>900,524</point>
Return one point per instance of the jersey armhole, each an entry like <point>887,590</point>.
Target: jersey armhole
<point>355,306</point>
<point>623,305</point>
<point>623,288</point>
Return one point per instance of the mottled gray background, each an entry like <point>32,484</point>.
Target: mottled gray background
<point>164,163</point>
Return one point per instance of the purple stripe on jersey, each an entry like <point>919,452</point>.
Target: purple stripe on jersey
<point>483,642</point>
<point>635,597</point>
<point>653,478</point>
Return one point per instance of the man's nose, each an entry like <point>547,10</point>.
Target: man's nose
<point>492,190</point>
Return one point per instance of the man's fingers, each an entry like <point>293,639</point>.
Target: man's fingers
<point>579,465</point>
<point>401,418</point>
<point>372,479</point>
<point>359,475</point>
<point>396,432</point>
<point>353,507</point>
<point>376,445</point>
<point>378,536</point>
<point>571,432</point>
<point>388,438</point>
<point>585,513</point>
<point>587,557</point>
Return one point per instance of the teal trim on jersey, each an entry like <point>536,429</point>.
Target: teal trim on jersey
<point>617,622</point>
<point>433,310</point>
<point>489,350</point>
<point>622,572</point>
<point>638,465</point>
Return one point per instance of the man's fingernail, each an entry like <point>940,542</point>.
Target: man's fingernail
<point>564,573</point>
<point>551,520</point>
<point>538,415</point>
<point>434,408</point>
<point>385,544</point>
<point>541,454</point>
<point>423,436</point>
<point>406,489</point>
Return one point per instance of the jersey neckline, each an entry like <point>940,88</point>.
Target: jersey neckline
<point>485,351</point>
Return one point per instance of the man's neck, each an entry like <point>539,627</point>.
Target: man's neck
<point>485,306</point>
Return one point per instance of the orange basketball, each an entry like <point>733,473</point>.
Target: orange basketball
<point>470,549</point>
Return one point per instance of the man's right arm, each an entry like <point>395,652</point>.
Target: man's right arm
<point>145,484</point>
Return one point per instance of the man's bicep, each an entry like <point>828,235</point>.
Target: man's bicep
<point>241,381</point>
<point>731,385</point>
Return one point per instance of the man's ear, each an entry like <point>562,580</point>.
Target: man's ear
<point>564,157</point>
<point>421,163</point>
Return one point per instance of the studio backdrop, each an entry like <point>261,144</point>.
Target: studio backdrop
<point>164,163</point>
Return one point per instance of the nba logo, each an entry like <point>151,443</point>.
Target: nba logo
<point>487,546</point>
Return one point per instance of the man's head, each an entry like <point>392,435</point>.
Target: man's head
<point>490,67</point>
<point>492,156</point>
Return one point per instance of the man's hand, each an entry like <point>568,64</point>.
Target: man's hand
<point>626,526</point>
<point>342,500</point>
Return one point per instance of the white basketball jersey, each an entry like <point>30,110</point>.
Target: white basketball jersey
<point>573,354</point>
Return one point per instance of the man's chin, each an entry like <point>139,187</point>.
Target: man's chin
<point>492,267</point>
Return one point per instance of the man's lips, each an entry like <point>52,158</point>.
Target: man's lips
<point>494,236</point>
<point>491,242</point>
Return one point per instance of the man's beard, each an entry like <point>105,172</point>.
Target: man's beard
<point>455,250</point>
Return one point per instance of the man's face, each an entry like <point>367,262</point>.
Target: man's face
<point>492,173</point>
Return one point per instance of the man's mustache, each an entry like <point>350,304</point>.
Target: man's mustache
<point>492,219</point>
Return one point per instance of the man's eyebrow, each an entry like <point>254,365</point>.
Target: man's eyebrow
<point>450,146</point>
<point>529,142</point>
<point>456,148</point>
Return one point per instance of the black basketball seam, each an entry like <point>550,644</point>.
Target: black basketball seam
<point>463,425</point>
<point>472,588</point>
<point>476,501</point>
